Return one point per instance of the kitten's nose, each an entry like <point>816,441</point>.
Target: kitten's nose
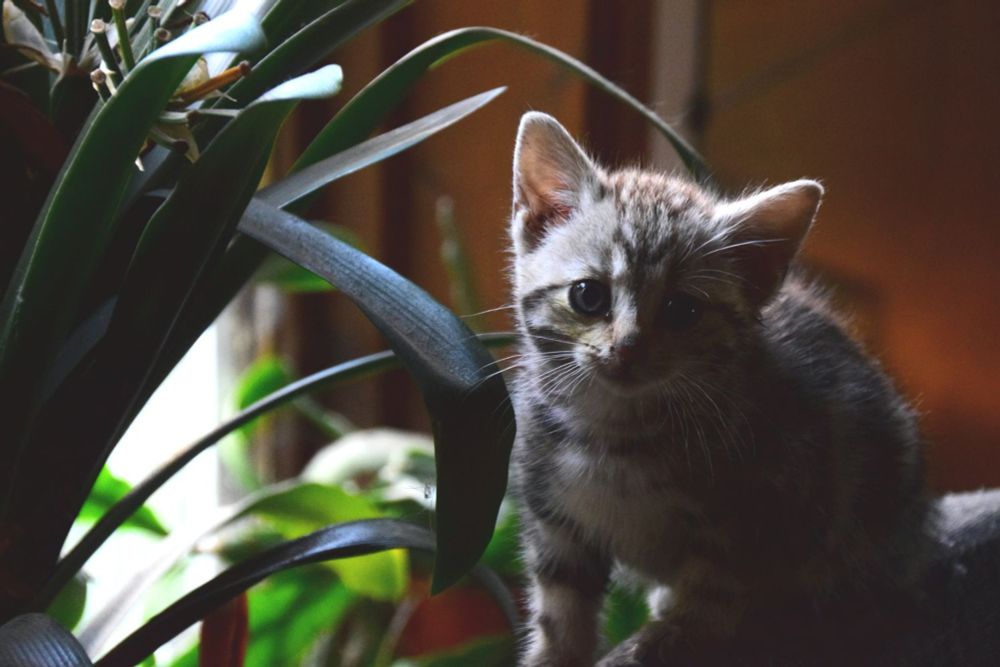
<point>624,354</point>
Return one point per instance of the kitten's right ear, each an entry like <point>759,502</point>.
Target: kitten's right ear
<point>551,173</point>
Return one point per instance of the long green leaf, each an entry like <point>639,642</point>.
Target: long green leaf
<point>465,396</point>
<point>70,234</point>
<point>367,109</point>
<point>341,541</point>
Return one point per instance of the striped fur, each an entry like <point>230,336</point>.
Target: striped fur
<point>755,462</point>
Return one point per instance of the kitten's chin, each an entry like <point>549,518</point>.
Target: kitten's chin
<point>625,385</point>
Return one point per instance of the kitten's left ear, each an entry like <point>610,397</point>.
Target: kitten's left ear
<point>768,229</point>
<point>551,174</point>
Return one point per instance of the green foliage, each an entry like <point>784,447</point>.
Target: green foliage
<point>625,611</point>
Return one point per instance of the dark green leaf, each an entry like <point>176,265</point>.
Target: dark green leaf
<point>345,540</point>
<point>292,278</point>
<point>70,235</point>
<point>35,640</point>
<point>187,230</point>
<point>465,396</point>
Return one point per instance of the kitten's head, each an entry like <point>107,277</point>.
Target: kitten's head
<point>628,281</point>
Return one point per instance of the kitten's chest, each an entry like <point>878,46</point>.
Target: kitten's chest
<point>627,507</point>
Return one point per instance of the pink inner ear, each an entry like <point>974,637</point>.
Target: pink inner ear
<point>765,265</point>
<point>543,211</point>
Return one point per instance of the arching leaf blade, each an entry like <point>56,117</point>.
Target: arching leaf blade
<point>371,105</point>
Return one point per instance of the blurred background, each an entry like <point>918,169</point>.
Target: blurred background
<point>891,104</point>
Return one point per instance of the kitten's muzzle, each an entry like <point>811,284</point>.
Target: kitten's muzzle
<point>622,360</point>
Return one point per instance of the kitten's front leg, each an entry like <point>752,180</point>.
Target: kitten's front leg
<point>568,581</point>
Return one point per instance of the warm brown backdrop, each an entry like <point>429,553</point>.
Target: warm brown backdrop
<point>892,104</point>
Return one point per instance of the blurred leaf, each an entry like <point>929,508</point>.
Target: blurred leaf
<point>107,491</point>
<point>504,551</point>
<point>66,247</point>
<point>488,652</point>
<point>266,375</point>
<point>368,453</point>
<point>625,611</point>
<point>304,507</point>
<point>345,540</point>
<point>67,608</point>
<point>289,612</point>
<point>467,400</point>
<point>35,640</point>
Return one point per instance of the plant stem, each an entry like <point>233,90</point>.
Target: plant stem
<point>124,44</point>
<point>100,31</point>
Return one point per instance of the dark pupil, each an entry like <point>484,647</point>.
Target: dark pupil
<point>681,312</point>
<point>590,297</point>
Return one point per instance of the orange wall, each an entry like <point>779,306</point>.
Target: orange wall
<point>894,106</point>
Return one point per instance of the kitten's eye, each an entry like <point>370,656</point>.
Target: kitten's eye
<point>590,297</point>
<point>682,311</point>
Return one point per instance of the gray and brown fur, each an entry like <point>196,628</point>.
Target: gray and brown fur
<point>759,461</point>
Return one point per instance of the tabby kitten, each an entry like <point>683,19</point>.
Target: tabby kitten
<point>691,410</point>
